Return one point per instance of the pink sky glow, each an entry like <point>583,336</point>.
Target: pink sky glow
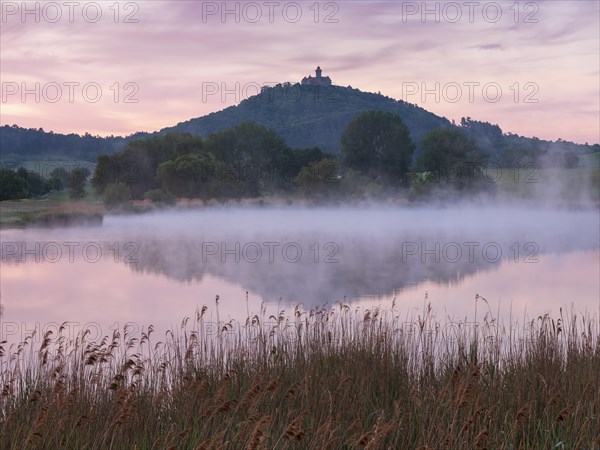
<point>544,56</point>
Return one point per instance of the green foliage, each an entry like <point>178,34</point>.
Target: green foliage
<point>246,143</point>
<point>319,179</point>
<point>248,160</point>
<point>379,145</point>
<point>36,184</point>
<point>24,183</point>
<point>159,196</point>
<point>77,180</point>
<point>326,180</point>
<point>450,158</point>
<point>59,177</point>
<point>189,176</point>
<point>12,186</point>
<point>255,158</point>
<point>444,148</point>
<point>486,135</point>
<point>137,163</point>
<point>519,155</point>
<point>34,143</point>
<point>115,195</point>
<point>355,185</point>
<point>108,170</point>
<point>303,116</point>
<point>307,116</point>
<point>303,157</point>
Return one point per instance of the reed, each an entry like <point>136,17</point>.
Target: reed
<point>322,378</point>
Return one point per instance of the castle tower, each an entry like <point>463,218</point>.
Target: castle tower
<point>319,80</point>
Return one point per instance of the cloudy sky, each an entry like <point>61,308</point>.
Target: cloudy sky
<point>117,68</point>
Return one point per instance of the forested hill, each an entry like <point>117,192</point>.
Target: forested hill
<point>25,144</point>
<point>306,116</point>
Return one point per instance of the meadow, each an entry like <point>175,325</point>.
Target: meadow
<point>49,213</point>
<point>326,378</point>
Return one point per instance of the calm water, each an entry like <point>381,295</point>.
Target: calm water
<point>158,268</point>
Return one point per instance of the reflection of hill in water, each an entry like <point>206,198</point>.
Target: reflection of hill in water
<point>357,265</point>
<point>362,267</point>
<point>369,242</point>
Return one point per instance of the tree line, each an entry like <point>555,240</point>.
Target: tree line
<point>377,157</point>
<point>22,183</point>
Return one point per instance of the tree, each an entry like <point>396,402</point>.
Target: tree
<point>77,183</point>
<point>116,194</point>
<point>449,155</point>
<point>160,196</point>
<point>12,186</point>
<point>59,177</point>
<point>446,146</point>
<point>256,157</point>
<point>36,184</point>
<point>108,170</point>
<point>301,158</point>
<point>246,143</point>
<point>379,145</point>
<point>137,163</point>
<point>570,160</point>
<point>484,133</point>
<point>190,176</point>
<point>319,179</point>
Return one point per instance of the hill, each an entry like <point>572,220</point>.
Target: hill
<point>18,145</point>
<point>311,116</point>
<point>304,116</point>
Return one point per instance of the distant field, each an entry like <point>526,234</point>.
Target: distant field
<point>22,212</point>
<point>11,212</point>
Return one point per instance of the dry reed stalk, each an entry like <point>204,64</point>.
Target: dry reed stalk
<point>293,390</point>
<point>381,432</point>
<point>250,396</point>
<point>480,441</point>
<point>258,434</point>
<point>294,431</point>
<point>39,425</point>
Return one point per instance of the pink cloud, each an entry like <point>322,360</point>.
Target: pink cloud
<point>374,46</point>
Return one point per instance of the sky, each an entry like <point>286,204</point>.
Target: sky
<point>115,68</point>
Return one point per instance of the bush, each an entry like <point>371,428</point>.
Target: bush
<point>116,194</point>
<point>159,196</point>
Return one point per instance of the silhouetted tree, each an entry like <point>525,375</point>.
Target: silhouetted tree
<point>12,186</point>
<point>378,144</point>
<point>449,156</point>
<point>77,183</point>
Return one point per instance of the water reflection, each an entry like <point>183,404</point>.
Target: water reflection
<point>160,267</point>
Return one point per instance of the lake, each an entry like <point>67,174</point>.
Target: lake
<point>158,268</point>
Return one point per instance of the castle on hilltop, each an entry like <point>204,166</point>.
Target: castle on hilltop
<point>318,80</point>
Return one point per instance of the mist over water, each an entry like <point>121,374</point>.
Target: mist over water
<point>159,267</point>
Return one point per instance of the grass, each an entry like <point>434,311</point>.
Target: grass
<point>57,209</point>
<point>25,213</point>
<point>324,378</point>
